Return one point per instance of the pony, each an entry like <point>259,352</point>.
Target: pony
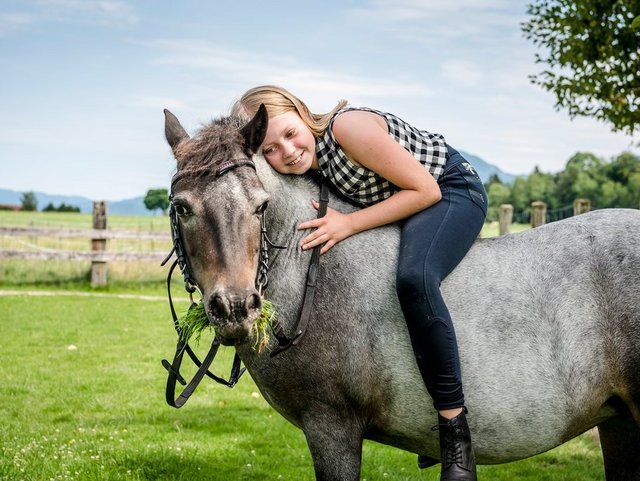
<point>548,321</point>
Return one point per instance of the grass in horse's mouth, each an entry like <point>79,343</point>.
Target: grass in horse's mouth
<point>195,321</point>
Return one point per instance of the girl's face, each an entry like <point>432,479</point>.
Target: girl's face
<point>289,146</point>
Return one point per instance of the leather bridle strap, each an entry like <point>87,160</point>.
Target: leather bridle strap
<point>203,367</point>
<point>285,342</point>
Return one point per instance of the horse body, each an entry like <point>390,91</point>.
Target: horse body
<point>548,324</point>
<point>535,328</point>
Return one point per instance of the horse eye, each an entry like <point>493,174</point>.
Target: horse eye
<point>260,210</point>
<point>181,210</point>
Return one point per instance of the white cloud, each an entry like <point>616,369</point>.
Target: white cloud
<point>104,12</point>
<point>402,10</point>
<point>245,69</point>
<point>424,21</point>
<point>12,22</point>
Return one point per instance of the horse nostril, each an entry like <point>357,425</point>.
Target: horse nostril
<point>253,301</point>
<point>219,307</point>
<point>234,308</point>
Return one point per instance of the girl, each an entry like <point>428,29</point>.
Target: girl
<point>396,173</point>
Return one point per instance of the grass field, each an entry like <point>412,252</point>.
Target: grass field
<point>72,220</point>
<point>123,276</point>
<point>82,396</point>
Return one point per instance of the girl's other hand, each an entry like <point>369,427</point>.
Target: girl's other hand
<point>330,229</point>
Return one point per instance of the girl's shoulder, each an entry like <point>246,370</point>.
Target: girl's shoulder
<point>356,119</point>
<point>358,125</point>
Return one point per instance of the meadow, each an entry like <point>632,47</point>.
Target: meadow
<point>82,396</point>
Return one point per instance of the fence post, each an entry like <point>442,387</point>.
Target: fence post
<point>580,206</point>
<point>99,268</point>
<point>506,218</point>
<point>538,213</point>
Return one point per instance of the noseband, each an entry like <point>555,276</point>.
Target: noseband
<point>262,279</point>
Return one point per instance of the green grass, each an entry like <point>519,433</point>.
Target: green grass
<point>71,220</point>
<point>492,229</point>
<point>82,398</point>
<point>123,276</point>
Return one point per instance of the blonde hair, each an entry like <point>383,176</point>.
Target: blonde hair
<point>279,101</point>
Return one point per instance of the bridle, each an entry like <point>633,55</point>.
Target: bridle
<point>262,279</point>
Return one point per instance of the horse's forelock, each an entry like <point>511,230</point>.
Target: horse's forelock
<point>212,144</point>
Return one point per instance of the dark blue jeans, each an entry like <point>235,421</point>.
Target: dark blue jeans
<point>432,244</point>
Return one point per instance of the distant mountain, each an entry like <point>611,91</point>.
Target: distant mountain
<point>135,206</point>
<point>486,170</point>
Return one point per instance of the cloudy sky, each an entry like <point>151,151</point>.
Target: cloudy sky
<point>84,82</point>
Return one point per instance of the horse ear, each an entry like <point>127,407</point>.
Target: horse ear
<point>255,131</point>
<point>173,131</point>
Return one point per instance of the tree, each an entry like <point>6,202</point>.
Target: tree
<point>157,199</point>
<point>581,178</point>
<point>498,194</point>
<point>29,201</point>
<point>621,188</point>
<point>593,57</point>
<point>541,186</point>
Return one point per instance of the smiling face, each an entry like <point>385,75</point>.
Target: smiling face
<point>289,146</point>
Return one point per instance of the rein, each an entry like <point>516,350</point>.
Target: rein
<point>190,285</point>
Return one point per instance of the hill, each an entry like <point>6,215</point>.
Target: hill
<point>135,205</point>
<point>486,170</point>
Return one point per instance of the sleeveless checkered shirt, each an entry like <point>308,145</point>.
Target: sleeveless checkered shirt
<point>364,186</point>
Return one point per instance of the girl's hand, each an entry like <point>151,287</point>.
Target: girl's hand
<point>330,229</point>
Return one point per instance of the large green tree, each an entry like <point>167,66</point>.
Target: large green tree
<point>592,57</point>
<point>582,178</point>
<point>157,199</point>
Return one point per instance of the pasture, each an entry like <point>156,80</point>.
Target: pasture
<point>82,396</point>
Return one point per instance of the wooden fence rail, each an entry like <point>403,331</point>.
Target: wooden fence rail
<point>87,233</point>
<point>99,256</point>
<point>93,256</point>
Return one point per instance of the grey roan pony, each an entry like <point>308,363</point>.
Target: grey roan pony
<point>548,321</point>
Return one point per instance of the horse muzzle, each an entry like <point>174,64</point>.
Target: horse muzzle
<point>233,314</point>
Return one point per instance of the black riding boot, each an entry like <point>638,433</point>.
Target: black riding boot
<point>456,453</point>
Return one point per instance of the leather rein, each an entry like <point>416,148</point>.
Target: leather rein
<point>190,285</point>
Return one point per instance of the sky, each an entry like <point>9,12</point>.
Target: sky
<point>83,83</point>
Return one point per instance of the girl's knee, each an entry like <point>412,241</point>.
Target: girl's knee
<point>414,285</point>
<point>410,283</point>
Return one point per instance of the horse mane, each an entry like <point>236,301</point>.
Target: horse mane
<point>212,144</point>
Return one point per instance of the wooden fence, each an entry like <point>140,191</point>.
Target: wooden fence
<point>100,256</point>
<point>98,236</point>
<point>538,213</point>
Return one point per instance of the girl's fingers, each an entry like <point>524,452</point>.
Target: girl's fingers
<point>326,247</point>
<point>310,224</point>
<point>313,240</point>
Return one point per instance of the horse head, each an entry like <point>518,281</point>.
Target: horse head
<point>217,204</point>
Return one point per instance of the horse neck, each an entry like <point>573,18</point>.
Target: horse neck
<point>289,203</point>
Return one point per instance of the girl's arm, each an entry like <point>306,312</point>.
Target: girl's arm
<point>365,139</point>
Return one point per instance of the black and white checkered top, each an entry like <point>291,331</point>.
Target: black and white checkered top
<point>364,186</point>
